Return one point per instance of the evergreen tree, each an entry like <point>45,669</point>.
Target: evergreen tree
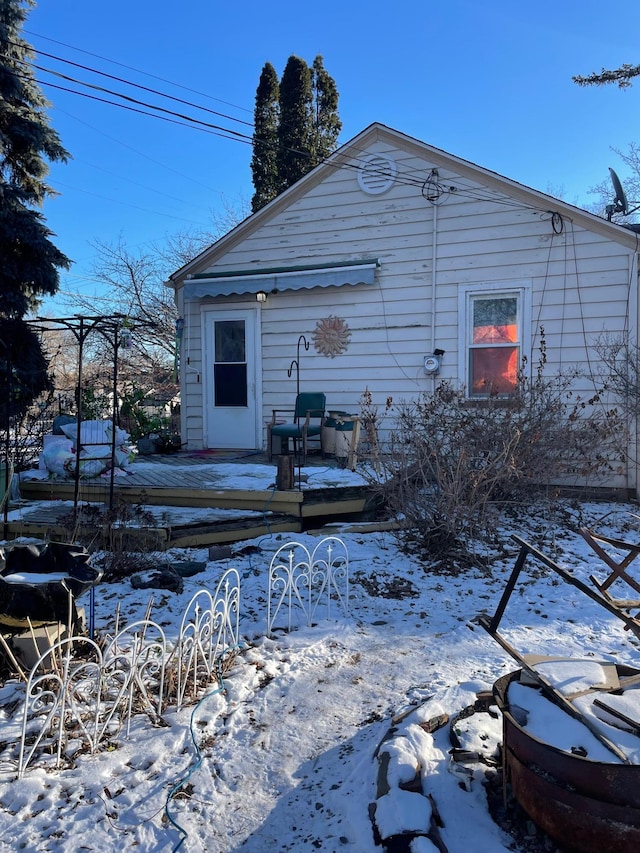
<point>622,76</point>
<point>264,168</point>
<point>296,126</point>
<point>296,122</point>
<point>327,123</point>
<point>29,262</point>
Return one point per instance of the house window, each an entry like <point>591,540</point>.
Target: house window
<point>493,341</point>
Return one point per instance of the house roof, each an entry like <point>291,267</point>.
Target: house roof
<point>349,154</point>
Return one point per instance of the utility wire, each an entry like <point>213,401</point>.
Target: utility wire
<point>410,179</point>
<point>217,130</point>
<point>128,98</point>
<point>128,204</point>
<point>407,178</point>
<point>418,180</point>
<point>352,162</point>
<point>122,80</point>
<point>137,70</point>
<point>136,183</point>
<point>206,129</point>
<point>135,150</point>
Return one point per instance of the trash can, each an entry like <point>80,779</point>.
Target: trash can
<point>344,435</point>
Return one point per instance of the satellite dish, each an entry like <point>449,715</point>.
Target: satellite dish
<point>620,204</point>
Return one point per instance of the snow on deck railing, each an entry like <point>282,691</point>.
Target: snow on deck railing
<point>303,583</point>
<point>79,695</point>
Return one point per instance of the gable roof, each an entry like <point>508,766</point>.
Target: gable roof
<point>350,154</point>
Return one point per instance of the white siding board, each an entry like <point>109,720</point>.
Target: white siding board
<point>401,337</point>
<point>585,298</point>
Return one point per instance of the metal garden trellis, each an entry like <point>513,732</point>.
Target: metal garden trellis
<point>117,330</point>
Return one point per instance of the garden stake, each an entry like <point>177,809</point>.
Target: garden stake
<point>12,657</point>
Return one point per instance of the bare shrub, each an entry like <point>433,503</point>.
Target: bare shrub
<point>619,368</point>
<point>124,533</point>
<point>22,443</point>
<point>451,461</point>
<point>371,419</point>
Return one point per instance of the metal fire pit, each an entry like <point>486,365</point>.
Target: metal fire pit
<point>584,805</point>
<point>40,582</point>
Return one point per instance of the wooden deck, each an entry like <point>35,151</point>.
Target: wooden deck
<point>221,515</point>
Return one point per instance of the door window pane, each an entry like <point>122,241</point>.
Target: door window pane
<point>230,341</point>
<point>230,384</point>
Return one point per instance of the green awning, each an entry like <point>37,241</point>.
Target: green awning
<point>280,278</point>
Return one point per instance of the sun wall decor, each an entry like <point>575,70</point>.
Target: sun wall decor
<point>331,336</point>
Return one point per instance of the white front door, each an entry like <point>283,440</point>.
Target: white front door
<point>231,391</point>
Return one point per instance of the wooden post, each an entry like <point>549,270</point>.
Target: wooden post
<point>353,448</point>
<point>284,475</point>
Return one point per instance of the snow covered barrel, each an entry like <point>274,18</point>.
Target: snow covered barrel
<point>581,795</point>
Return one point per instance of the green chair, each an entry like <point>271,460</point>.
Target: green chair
<point>308,417</point>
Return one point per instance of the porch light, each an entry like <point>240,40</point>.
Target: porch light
<point>261,296</point>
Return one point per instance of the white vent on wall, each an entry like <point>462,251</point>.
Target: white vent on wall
<point>376,173</point>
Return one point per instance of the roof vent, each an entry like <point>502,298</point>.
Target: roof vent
<point>376,174</point>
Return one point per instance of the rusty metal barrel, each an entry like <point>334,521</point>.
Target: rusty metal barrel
<point>583,805</point>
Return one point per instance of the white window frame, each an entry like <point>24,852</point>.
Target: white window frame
<point>466,294</point>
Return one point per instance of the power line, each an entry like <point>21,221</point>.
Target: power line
<point>135,150</point>
<point>207,127</point>
<point>417,181</point>
<point>135,183</point>
<point>407,178</point>
<point>122,80</point>
<point>130,99</point>
<point>137,71</point>
<point>127,204</point>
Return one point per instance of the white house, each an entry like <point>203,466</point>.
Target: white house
<point>389,252</point>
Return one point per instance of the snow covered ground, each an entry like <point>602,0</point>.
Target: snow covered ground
<point>289,753</point>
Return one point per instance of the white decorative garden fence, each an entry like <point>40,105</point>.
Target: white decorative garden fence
<point>304,585</point>
<point>79,695</point>
<point>210,627</point>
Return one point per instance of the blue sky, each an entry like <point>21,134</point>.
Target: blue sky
<point>488,82</point>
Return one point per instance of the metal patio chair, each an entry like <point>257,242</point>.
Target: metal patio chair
<point>306,423</point>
